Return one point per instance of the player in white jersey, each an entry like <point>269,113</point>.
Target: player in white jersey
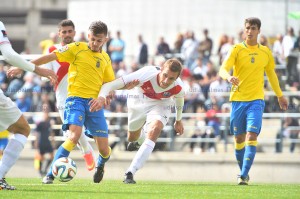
<point>11,117</point>
<point>149,107</point>
<point>66,31</point>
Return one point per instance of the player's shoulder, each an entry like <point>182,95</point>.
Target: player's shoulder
<point>2,25</point>
<point>264,48</point>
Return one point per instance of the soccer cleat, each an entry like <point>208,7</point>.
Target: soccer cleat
<point>243,181</point>
<point>98,175</point>
<point>89,160</point>
<point>48,180</point>
<point>129,178</point>
<point>133,146</point>
<point>5,186</point>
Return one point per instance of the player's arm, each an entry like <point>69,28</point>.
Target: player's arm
<point>272,77</point>
<point>227,66</point>
<point>15,59</point>
<point>178,125</point>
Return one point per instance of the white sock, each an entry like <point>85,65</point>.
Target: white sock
<point>12,153</point>
<point>84,144</point>
<point>141,156</point>
<point>142,137</point>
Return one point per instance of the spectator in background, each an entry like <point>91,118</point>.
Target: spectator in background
<point>263,40</point>
<point>142,55</point>
<point>109,39</point>
<point>82,37</point>
<point>162,47</point>
<point>205,47</point>
<point>278,50</point>
<point>43,145</point>
<point>178,43</point>
<point>290,130</point>
<point>23,102</point>
<point>292,58</point>
<point>47,43</point>
<point>117,48</point>
<point>189,49</point>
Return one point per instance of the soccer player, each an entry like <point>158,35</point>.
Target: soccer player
<point>11,117</point>
<point>250,60</point>
<point>66,32</point>
<point>149,108</point>
<point>90,67</point>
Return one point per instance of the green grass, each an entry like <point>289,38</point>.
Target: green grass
<point>84,188</point>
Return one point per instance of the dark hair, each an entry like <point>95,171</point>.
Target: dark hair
<point>253,21</point>
<point>66,22</point>
<point>174,65</point>
<point>98,27</point>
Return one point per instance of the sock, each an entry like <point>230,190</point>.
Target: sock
<point>102,160</point>
<point>12,153</point>
<point>250,151</point>
<point>239,153</point>
<point>84,145</point>
<point>142,137</point>
<point>141,156</point>
<point>63,151</point>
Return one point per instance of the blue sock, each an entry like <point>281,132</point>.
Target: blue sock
<point>250,151</point>
<point>239,153</point>
<point>102,160</point>
<point>63,151</point>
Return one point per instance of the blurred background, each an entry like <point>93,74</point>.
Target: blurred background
<point>212,27</point>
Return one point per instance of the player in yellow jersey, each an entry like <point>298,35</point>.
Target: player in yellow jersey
<point>3,141</point>
<point>249,61</point>
<point>90,67</point>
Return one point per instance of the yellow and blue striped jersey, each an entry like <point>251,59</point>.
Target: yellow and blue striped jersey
<point>88,70</point>
<point>249,64</point>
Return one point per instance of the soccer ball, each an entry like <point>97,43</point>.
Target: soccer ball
<point>64,169</point>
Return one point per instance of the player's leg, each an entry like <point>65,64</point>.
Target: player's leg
<point>157,118</point>
<point>136,133</point>
<point>97,128</point>
<point>87,151</point>
<point>254,122</point>
<point>74,118</point>
<point>11,154</point>
<point>238,128</point>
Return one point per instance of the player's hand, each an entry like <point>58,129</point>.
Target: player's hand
<point>179,127</point>
<point>14,72</point>
<point>283,103</point>
<point>233,80</point>
<point>43,72</point>
<point>96,104</point>
<point>132,84</point>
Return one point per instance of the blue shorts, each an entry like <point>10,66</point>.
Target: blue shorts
<point>3,143</point>
<point>77,113</point>
<point>246,117</point>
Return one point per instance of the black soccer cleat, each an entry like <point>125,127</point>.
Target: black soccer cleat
<point>5,186</point>
<point>129,178</point>
<point>99,173</point>
<point>133,146</point>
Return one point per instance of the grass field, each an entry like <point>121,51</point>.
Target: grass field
<point>83,188</point>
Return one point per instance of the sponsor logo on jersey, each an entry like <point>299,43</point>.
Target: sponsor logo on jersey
<point>166,94</point>
<point>4,33</point>
<point>63,49</point>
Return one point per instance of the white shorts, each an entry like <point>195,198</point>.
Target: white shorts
<point>9,112</point>
<point>141,112</point>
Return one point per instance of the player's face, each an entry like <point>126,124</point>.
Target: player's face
<point>96,41</point>
<point>166,77</point>
<point>251,32</point>
<point>67,34</point>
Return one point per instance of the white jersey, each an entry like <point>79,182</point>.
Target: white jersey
<point>148,90</point>
<point>3,34</point>
<point>8,109</point>
<point>61,88</point>
<point>148,101</point>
